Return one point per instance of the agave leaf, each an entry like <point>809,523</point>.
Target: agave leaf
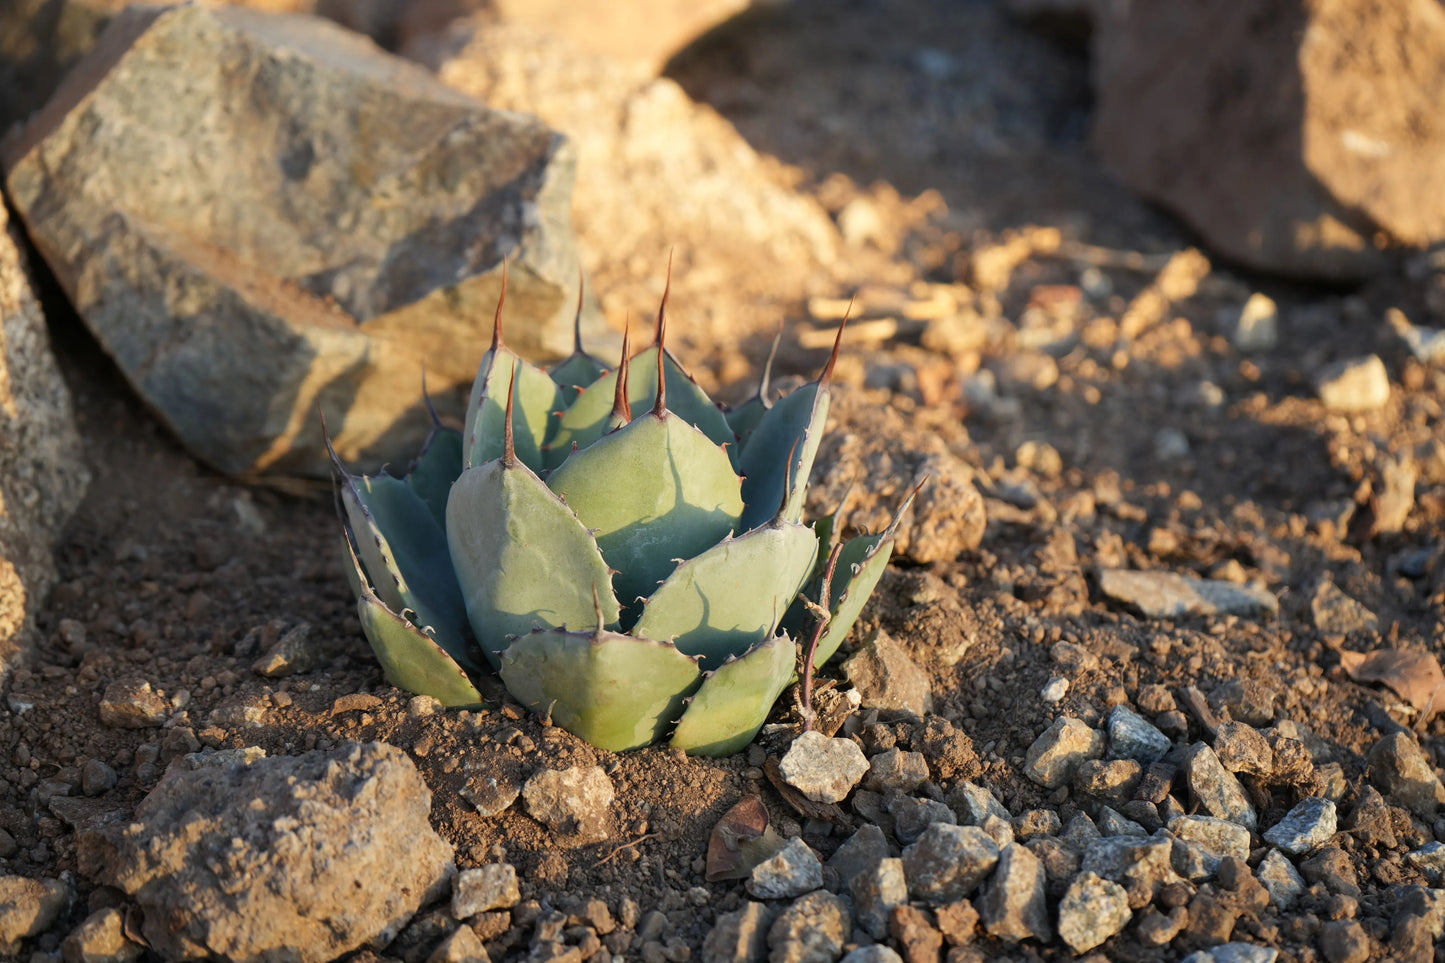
<point>779,455</point>
<point>571,375</point>
<point>732,703</point>
<point>434,470</point>
<point>654,491</point>
<point>404,555</point>
<point>731,597</point>
<point>743,419</point>
<point>861,564</point>
<point>615,691</point>
<point>411,659</point>
<point>586,420</point>
<point>537,399</point>
<point>522,557</point>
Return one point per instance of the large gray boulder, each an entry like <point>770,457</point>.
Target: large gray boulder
<point>294,857</point>
<point>1295,137</point>
<point>43,474</point>
<point>257,215</point>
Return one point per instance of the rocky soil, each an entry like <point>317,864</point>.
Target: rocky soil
<point>1154,673</point>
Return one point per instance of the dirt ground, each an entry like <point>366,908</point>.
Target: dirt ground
<point>1170,449</point>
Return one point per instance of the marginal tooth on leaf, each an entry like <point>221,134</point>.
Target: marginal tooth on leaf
<point>497,319</point>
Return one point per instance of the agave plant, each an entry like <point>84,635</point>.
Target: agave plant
<point>627,574</point>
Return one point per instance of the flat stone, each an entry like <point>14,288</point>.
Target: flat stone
<point>792,871</point>
<point>1354,384</point>
<point>133,704</point>
<point>948,862</point>
<point>484,888</point>
<point>490,795</point>
<point>1131,736</point>
<point>1055,755</point>
<point>896,770</point>
<point>1216,788</point>
<point>1092,910</point>
<point>888,678</point>
<point>43,472</point>
<point>1279,877</point>
<point>101,938</point>
<point>1167,595</point>
<point>346,229</point>
<point>823,769</point>
<point>309,856</point>
<point>1399,769</point>
<point>28,907</point>
<point>1305,828</point>
<point>1013,906</point>
<point>812,930</point>
<point>875,892</point>
<point>571,802</point>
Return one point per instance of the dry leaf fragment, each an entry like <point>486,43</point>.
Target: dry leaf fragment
<point>1412,674</point>
<point>741,840</point>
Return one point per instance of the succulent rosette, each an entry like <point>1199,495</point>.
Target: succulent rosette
<point>635,577</point>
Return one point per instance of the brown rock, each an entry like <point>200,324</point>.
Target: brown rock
<point>1287,134</point>
<point>27,907</point>
<point>343,226</point>
<point>887,678</point>
<point>918,941</point>
<point>42,468</point>
<point>310,855</point>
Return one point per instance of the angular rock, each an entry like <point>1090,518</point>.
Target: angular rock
<point>912,816</point>
<point>948,862</point>
<point>1335,613</point>
<point>896,770</point>
<point>1250,701</point>
<point>571,802</point>
<point>1332,867</point>
<point>1141,866</point>
<point>1294,168</point>
<point>1113,823</point>
<point>1354,385</point>
<point>133,704</point>
<point>1168,595</point>
<point>100,939</point>
<point>1131,736</point>
<point>872,953</point>
<point>790,872</point>
<point>1109,783</point>
<point>28,907</point>
<point>1242,748</point>
<point>812,930</point>
<point>1344,941</point>
<point>43,474</point>
<point>1257,327</point>
<point>343,226</point>
<point>914,934</point>
<point>822,768</point>
<point>489,795</point>
<point>887,678</point>
<point>309,855</point>
<point>484,888</point>
<point>740,936</point>
<point>862,851</point>
<point>1092,910</point>
<point>1400,770</point>
<point>1055,755</point>
<point>973,804</point>
<point>1305,828</point>
<point>1013,906</point>
<point>1202,841</point>
<point>462,946</point>
<point>1280,878</point>
<point>1216,788</point>
<point>1430,860</point>
<point>875,892</point>
<point>1234,953</point>
<point>293,653</point>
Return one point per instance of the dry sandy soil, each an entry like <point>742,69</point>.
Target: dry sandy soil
<point>946,139</point>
